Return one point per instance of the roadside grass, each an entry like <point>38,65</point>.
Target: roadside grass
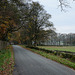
<point>6,61</point>
<point>4,55</point>
<point>53,57</point>
<point>60,48</point>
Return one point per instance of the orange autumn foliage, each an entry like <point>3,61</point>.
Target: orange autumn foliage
<point>5,25</point>
<point>3,28</point>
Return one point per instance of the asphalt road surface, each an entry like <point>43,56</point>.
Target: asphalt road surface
<point>29,63</point>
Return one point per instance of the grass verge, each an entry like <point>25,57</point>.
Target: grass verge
<point>53,57</point>
<point>6,61</point>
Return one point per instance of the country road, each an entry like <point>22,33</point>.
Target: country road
<point>29,63</point>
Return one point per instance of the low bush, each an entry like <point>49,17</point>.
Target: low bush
<point>73,58</point>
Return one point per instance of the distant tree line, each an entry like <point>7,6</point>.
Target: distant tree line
<point>61,40</point>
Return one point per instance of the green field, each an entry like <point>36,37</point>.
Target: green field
<point>61,48</point>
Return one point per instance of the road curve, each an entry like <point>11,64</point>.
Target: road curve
<point>29,63</point>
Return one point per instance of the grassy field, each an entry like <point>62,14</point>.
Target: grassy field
<point>61,48</point>
<point>53,57</point>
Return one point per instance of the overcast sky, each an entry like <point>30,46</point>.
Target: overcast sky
<point>63,22</point>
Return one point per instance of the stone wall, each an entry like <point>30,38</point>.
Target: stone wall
<point>3,44</point>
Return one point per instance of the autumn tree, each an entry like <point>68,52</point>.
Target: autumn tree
<point>35,24</point>
<point>10,17</point>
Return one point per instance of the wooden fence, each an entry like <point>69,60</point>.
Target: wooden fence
<point>3,44</point>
